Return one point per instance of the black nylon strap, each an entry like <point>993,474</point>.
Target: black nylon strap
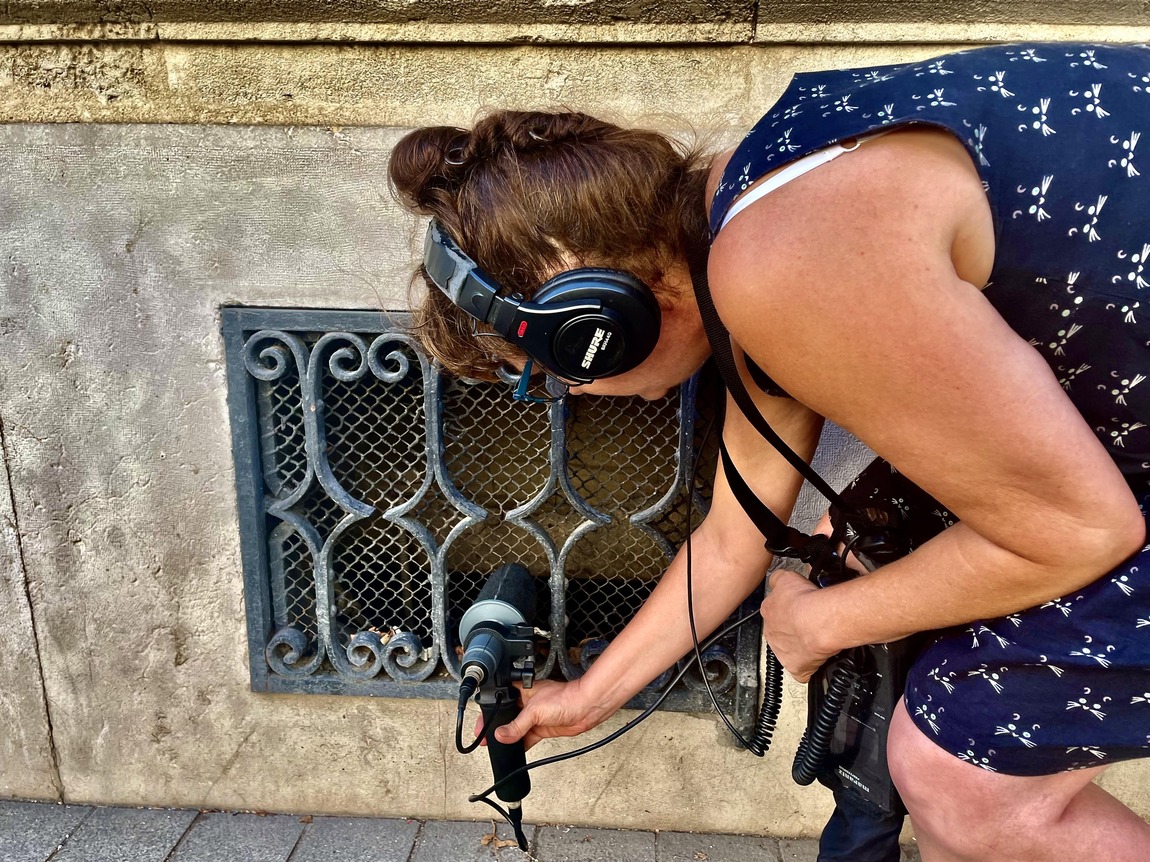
<point>781,539</point>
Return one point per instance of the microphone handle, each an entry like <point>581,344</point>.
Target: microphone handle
<point>506,757</point>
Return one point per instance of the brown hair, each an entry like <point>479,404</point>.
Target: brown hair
<point>527,194</point>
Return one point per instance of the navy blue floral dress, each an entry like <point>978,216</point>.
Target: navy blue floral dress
<point>1056,133</point>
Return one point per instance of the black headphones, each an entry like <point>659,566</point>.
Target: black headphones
<point>581,325</point>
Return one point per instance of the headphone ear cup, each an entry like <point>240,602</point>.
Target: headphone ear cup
<point>627,327</point>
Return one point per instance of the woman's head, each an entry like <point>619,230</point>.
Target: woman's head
<point>529,194</point>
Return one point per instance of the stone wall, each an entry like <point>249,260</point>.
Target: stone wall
<point>161,159</point>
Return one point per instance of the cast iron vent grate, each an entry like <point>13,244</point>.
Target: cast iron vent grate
<point>376,495</point>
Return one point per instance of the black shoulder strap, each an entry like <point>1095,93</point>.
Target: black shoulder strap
<point>781,539</point>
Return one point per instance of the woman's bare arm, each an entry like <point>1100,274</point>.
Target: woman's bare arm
<point>844,286</point>
<point>728,561</point>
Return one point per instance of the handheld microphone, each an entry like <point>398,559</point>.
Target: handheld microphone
<point>498,650</point>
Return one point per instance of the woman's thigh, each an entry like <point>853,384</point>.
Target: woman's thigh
<point>951,794</point>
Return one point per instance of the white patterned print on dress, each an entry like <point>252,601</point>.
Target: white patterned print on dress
<point>1064,606</point>
<point>1135,275</point>
<point>874,76</point>
<point>784,144</point>
<point>930,715</point>
<point>1123,583</point>
<point>1030,54</point>
<point>976,631</point>
<point>1055,669</point>
<point>1091,704</point>
<point>1126,310</point>
<point>1015,730</point>
<point>1143,85</point>
<point>1040,113</point>
<point>1129,144</point>
<point>977,142</point>
<point>970,757</point>
<point>1124,387</point>
<point>995,83</point>
<point>934,99</point>
<point>1086,58</point>
<point>1120,431</point>
<point>1074,306</point>
<point>1093,211</point>
<point>1092,750</point>
<point>1094,652</point>
<point>1067,380</point>
<point>1037,192</point>
<point>945,680</point>
<point>1093,103</point>
<point>1064,336</point>
<point>993,677</point>
<point>938,67</point>
<point>839,106</point>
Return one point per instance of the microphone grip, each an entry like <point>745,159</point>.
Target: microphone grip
<point>506,757</point>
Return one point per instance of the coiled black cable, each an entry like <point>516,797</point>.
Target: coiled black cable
<point>811,755</point>
<point>768,717</point>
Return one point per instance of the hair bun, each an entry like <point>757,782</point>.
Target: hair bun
<point>426,165</point>
<point>527,131</point>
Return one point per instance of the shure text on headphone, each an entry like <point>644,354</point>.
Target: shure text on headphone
<point>598,342</point>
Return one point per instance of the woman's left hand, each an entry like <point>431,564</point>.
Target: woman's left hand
<point>790,627</point>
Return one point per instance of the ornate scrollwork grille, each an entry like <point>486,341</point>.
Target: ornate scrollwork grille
<point>376,495</point>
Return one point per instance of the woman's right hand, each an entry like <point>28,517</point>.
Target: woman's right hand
<point>552,709</point>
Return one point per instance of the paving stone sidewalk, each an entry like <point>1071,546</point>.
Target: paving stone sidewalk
<point>44,832</point>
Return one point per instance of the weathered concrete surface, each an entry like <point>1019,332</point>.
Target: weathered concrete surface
<point>28,764</point>
<point>400,85</point>
<point>1094,12</point>
<point>378,11</point>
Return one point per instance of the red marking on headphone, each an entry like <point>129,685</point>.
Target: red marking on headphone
<point>522,327</point>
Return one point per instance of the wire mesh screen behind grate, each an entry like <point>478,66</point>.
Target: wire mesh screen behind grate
<point>377,495</point>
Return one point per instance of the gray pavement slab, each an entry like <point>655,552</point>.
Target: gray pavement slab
<point>798,849</point>
<point>464,841</point>
<point>32,831</point>
<point>228,837</point>
<point>46,832</point>
<point>699,847</point>
<point>579,844</point>
<point>356,839</point>
<point>119,834</point>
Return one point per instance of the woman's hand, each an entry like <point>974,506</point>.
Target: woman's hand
<point>790,627</point>
<point>552,709</point>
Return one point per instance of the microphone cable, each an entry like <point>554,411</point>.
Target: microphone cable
<point>772,688</point>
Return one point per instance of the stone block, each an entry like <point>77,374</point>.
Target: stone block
<point>27,761</point>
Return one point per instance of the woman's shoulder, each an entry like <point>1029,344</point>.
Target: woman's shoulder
<point>911,185</point>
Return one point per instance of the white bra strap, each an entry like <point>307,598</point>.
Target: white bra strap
<point>795,170</point>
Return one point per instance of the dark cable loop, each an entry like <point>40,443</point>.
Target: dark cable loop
<point>815,744</point>
<point>485,731</point>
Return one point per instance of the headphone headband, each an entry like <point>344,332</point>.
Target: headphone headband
<point>581,325</point>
